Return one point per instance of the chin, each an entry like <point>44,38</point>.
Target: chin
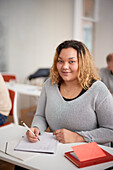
<point>66,79</point>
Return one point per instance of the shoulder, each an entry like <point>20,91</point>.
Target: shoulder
<point>48,84</point>
<point>98,92</point>
<point>101,93</point>
<point>103,70</point>
<point>100,88</point>
<point>48,89</point>
<point>98,85</point>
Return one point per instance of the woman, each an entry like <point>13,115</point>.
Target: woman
<point>74,103</point>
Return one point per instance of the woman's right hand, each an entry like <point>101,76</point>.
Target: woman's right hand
<point>31,137</point>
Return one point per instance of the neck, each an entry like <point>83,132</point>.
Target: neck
<point>71,84</point>
<point>70,90</point>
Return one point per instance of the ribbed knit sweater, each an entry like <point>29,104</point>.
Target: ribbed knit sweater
<point>90,115</point>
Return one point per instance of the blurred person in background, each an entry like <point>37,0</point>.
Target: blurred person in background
<point>5,102</point>
<point>106,73</point>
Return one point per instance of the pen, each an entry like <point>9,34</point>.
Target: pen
<point>29,129</point>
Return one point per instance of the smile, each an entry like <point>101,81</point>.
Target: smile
<point>65,73</point>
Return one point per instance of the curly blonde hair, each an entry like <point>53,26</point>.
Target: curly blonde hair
<point>87,73</point>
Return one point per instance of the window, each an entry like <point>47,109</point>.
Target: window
<point>89,18</point>
<point>88,8</point>
<point>88,34</point>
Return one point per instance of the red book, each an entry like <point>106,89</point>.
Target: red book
<point>88,151</point>
<point>83,155</point>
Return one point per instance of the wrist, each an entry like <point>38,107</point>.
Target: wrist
<point>79,138</point>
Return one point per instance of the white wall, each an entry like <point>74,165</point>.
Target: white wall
<point>34,29</point>
<point>104,32</point>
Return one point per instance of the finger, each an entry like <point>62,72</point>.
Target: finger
<point>31,137</point>
<point>61,140</point>
<point>36,132</point>
<point>33,140</point>
<point>58,137</point>
<point>57,132</point>
<point>29,134</point>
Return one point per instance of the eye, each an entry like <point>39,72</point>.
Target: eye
<point>72,62</point>
<point>60,61</point>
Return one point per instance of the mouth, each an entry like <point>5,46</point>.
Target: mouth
<point>65,73</point>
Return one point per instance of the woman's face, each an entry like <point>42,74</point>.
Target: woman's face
<point>67,64</point>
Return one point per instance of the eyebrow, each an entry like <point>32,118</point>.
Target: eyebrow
<point>68,58</point>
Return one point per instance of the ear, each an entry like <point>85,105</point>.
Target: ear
<point>108,67</point>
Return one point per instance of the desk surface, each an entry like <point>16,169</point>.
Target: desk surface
<point>55,161</point>
<point>24,88</point>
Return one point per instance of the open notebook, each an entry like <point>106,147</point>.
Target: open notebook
<point>47,144</point>
<point>23,150</point>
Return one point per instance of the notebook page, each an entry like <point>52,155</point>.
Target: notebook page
<point>47,144</point>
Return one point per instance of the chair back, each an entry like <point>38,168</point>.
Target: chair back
<point>12,96</point>
<point>8,77</point>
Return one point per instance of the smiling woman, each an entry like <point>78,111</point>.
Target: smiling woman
<point>74,103</point>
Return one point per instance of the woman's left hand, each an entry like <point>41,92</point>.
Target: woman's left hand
<point>67,136</point>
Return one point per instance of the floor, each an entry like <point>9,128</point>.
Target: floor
<point>26,116</point>
<point>6,166</point>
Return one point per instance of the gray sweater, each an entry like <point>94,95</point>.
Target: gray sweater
<point>90,115</point>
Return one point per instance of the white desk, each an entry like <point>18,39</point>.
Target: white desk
<point>55,161</point>
<point>24,89</point>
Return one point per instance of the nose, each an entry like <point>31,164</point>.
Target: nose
<point>65,65</point>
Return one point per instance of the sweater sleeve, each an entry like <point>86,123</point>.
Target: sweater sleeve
<point>39,119</point>
<point>104,112</point>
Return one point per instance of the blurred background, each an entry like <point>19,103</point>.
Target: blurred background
<point>30,31</point>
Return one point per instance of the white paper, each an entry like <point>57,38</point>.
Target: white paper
<point>47,144</point>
